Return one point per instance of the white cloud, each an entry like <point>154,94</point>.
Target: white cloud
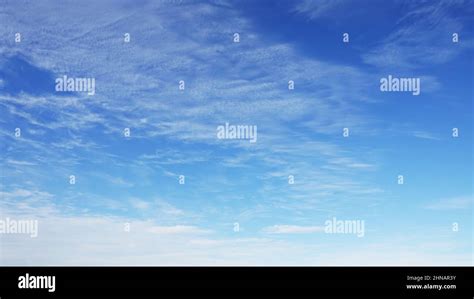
<point>425,135</point>
<point>102,240</point>
<point>422,37</point>
<point>139,204</point>
<point>315,9</point>
<point>177,229</point>
<point>23,193</point>
<point>293,229</point>
<point>20,163</point>
<point>453,203</point>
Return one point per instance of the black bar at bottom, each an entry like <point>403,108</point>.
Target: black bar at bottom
<point>243,282</point>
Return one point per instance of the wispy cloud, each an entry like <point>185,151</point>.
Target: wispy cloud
<point>454,203</point>
<point>292,229</point>
<point>424,135</point>
<point>423,36</point>
<point>20,163</point>
<point>177,229</point>
<point>318,8</point>
<point>173,132</point>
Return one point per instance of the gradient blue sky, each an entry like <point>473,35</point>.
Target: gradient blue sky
<point>173,132</point>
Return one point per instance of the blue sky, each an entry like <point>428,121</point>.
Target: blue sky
<point>135,179</point>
